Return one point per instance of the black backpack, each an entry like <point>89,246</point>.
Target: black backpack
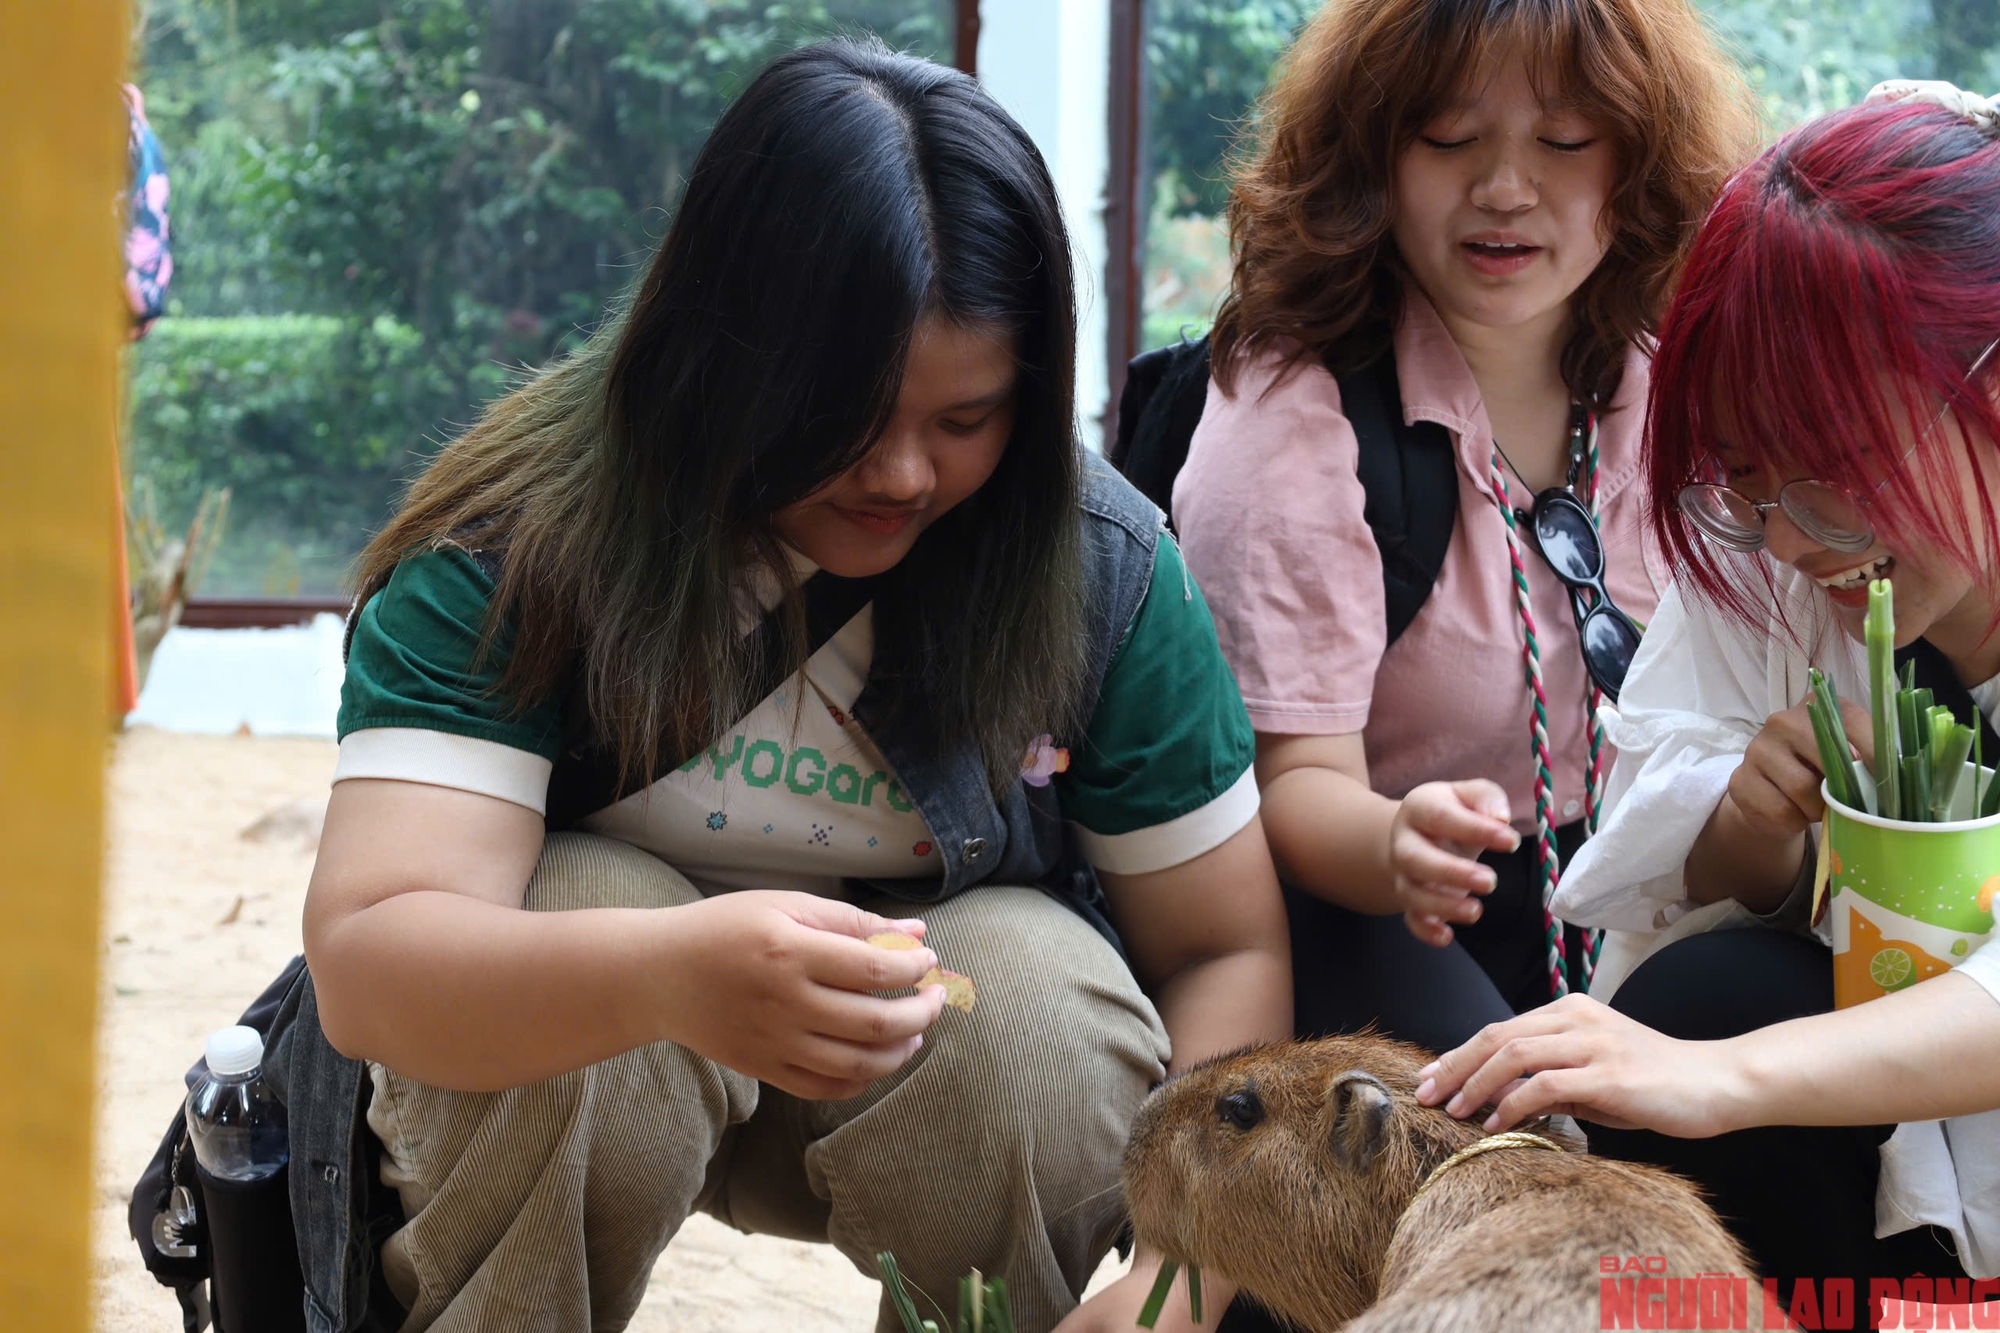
<point>1409,473</point>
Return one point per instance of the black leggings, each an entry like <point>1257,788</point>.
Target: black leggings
<point>1350,970</point>
<point>1800,1199</point>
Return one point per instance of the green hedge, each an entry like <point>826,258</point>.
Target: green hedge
<point>313,421</point>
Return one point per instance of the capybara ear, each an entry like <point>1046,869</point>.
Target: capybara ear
<point>1361,1110</point>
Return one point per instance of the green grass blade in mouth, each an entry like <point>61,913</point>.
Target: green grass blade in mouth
<point>1156,1300</point>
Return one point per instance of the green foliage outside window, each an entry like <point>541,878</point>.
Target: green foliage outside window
<point>468,181</point>
<point>1208,60</point>
<point>383,209</point>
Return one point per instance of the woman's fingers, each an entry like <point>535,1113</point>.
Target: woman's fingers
<point>1551,1092</point>
<point>1465,812</point>
<point>849,1062</point>
<point>839,918</point>
<point>1419,861</point>
<point>815,1087</point>
<point>1770,793</point>
<point>1520,1058</point>
<point>1860,729</point>
<point>869,1020</point>
<point>1447,1075</point>
<point>849,964</point>
<point>1446,904</point>
<point>1430,929</point>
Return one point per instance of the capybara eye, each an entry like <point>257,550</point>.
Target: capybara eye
<point>1244,1109</point>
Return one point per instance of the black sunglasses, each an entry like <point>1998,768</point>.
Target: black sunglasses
<point>1566,535</point>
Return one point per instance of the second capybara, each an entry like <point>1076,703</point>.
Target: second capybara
<point>1291,1169</point>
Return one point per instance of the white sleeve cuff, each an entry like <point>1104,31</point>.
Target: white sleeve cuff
<point>1984,966</point>
<point>1177,841</point>
<point>443,759</point>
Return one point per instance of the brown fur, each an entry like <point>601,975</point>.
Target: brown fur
<point>1300,1208</point>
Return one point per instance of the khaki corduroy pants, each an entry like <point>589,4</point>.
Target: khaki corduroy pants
<point>996,1147</point>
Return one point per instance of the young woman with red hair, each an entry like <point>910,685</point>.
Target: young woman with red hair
<point>1825,410</point>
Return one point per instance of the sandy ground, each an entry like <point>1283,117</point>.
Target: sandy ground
<point>198,919</point>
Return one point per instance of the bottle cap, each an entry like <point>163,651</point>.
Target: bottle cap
<point>236,1050</point>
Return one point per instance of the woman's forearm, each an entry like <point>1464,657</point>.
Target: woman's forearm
<point>1732,860</point>
<point>1225,1003</point>
<point>1927,1053</point>
<point>1330,837</point>
<point>474,996</point>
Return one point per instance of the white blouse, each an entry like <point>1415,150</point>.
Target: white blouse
<point>1699,691</point>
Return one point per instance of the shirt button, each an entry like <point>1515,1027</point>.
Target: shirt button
<point>1569,811</point>
<point>974,848</point>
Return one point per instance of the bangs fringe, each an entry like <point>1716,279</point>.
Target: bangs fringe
<point>1835,301</point>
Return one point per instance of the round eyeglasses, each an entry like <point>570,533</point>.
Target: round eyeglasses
<point>1827,514</point>
<point>1823,512</point>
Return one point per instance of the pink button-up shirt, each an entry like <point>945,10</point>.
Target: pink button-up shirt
<point>1268,509</point>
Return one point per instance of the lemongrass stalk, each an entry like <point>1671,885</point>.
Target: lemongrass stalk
<point>1194,1292</point>
<point>1950,744</point>
<point>1831,736</point>
<point>1880,632</point>
<point>1917,789</point>
<point>899,1296</point>
<point>1002,1311</point>
<point>971,1303</point>
<point>1978,760</point>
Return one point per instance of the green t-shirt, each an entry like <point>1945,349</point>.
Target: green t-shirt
<point>1161,774</point>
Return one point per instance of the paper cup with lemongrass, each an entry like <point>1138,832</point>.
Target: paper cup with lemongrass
<point>1910,900</point>
<point>1910,847</point>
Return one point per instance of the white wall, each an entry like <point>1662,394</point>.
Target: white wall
<point>1048,62</point>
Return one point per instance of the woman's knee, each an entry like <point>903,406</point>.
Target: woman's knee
<point>1062,1046</point>
<point>1727,982</point>
<point>582,870</point>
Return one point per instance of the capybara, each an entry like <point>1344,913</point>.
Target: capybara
<point>1291,1169</point>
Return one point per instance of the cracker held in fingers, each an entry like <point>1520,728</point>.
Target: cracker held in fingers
<point>959,992</point>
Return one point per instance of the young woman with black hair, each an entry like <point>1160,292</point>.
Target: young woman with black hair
<point>785,612</point>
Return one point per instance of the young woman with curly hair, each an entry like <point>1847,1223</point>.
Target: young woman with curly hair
<point>1483,206</point>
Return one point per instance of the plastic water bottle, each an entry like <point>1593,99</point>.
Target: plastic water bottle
<point>237,1126</point>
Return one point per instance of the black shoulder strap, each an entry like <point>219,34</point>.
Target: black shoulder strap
<point>586,777</point>
<point>1161,404</point>
<point>1409,473</point>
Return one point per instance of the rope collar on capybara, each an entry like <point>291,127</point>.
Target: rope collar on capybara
<point>1513,1138</point>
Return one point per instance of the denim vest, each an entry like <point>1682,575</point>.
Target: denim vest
<point>343,1212</point>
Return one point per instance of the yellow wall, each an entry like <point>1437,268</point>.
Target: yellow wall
<point>62,155</point>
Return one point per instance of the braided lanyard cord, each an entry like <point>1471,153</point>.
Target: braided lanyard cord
<point>1593,785</point>
<point>1548,860</point>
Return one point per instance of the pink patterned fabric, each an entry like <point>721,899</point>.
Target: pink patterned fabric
<point>1269,513</point>
<point>149,259</point>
